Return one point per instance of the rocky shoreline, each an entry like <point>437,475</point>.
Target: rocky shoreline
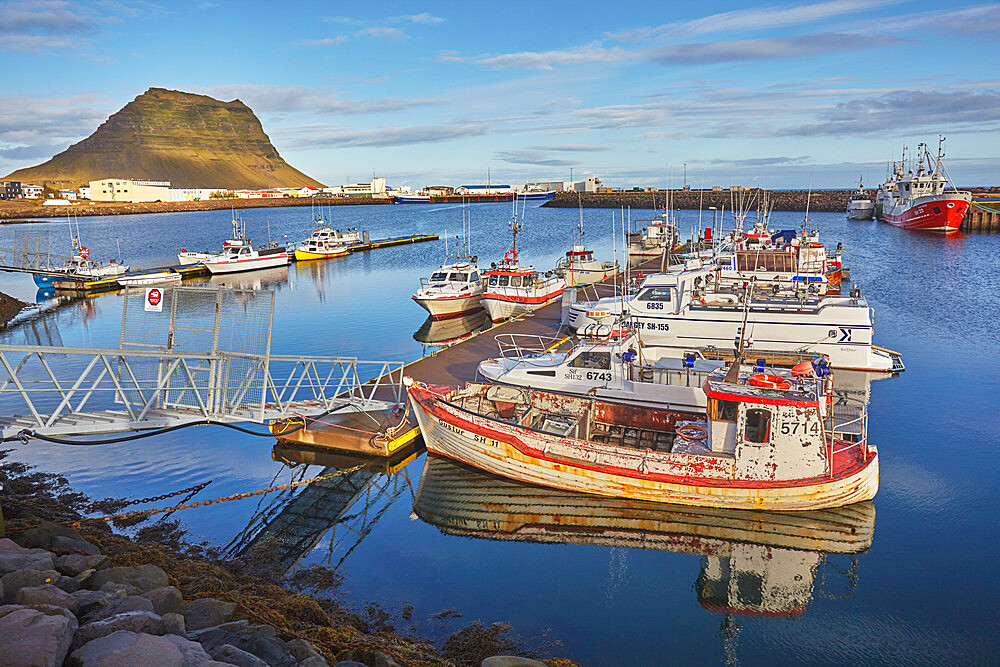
<point>22,210</point>
<point>76,593</point>
<point>9,308</point>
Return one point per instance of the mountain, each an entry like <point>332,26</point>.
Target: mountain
<point>167,135</point>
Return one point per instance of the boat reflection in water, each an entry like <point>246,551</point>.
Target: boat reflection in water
<point>338,510</point>
<point>442,333</point>
<point>753,563</point>
<point>256,279</point>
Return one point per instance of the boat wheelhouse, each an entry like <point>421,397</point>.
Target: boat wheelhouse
<point>761,443</point>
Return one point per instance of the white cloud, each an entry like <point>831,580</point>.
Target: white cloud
<point>382,32</point>
<point>589,53</point>
<point>398,136</point>
<point>302,99</point>
<point>758,18</point>
<point>767,48</point>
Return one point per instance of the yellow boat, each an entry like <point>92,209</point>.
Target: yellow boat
<point>325,243</point>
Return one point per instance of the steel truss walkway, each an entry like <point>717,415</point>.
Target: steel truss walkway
<point>159,377</point>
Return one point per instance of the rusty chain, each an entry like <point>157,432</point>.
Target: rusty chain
<point>152,499</point>
<point>205,503</point>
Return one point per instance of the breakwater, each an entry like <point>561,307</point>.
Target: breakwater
<point>981,218</point>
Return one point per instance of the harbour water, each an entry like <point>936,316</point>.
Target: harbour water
<point>642,586</point>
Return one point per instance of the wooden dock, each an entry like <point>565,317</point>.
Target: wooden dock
<point>983,215</point>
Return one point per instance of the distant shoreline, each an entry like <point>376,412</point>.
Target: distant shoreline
<point>22,210</point>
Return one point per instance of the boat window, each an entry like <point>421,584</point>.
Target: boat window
<point>493,280</point>
<point>460,277</point>
<point>439,276</point>
<point>600,360</point>
<point>515,281</point>
<point>727,411</point>
<point>504,280</point>
<point>474,278</point>
<point>758,425</point>
<point>655,294</point>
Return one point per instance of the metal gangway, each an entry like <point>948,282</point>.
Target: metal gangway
<point>32,254</point>
<point>198,354</point>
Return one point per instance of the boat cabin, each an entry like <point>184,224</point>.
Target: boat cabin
<point>454,273</point>
<point>515,276</point>
<point>771,424</point>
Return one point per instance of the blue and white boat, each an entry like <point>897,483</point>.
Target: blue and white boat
<point>536,195</point>
<point>411,199</point>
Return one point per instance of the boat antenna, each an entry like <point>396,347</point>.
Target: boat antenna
<point>733,374</point>
<point>118,243</point>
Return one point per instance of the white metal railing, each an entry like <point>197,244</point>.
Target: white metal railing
<point>530,348</point>
<point>61,387</point>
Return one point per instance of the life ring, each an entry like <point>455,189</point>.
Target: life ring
<point>84,252</point>
<point>692,432</point>
<point>510,256</point>
<point>765,381</point>
<point>699,299</point>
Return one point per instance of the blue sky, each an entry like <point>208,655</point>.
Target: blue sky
<point>781,94</point>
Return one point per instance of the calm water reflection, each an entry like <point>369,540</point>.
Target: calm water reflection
<point>618,588</point>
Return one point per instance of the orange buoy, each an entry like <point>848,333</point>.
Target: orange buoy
<point>803,368</point>
<point>765,381</point>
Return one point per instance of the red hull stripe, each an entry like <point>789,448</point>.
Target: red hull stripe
<point>521,299</point>
<point>431,404</point>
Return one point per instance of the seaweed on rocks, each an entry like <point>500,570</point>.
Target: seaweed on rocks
<point>260,594</point>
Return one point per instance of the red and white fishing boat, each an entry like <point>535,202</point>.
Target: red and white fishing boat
<point>512,289</point>
<point>920,201</point>
<point>761,444</point>
<point>238,254</point>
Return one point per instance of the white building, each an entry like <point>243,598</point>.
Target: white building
<point>67,194</point>
<point>194,194</point>
<point>84,192</point>
<point>589,184</point>
<point>373,189</point>
<point>32,191</point>
<point>121,189</point>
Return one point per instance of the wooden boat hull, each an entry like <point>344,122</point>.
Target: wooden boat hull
<point>532,456</point>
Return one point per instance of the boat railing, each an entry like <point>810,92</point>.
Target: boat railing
<point>847,431</point>
<point>672,377</point>
<point>529,348</point>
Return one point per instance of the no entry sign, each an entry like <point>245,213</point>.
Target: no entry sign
<point>154,300</point>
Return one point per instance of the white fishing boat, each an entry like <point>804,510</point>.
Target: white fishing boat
<point>80,265</point>
<point>187,257</point>
<point>579,267</point>
<point>152,278</point>
<point>760,444</point>
<point>238,254</point>
<point>512,289</point>
<point>607,367</point>
<point>681,311</point>
<point>648,244</point>
<point>455,289</point>
<point>860,206</point>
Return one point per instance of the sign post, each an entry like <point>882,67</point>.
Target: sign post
<point>154,300</point>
